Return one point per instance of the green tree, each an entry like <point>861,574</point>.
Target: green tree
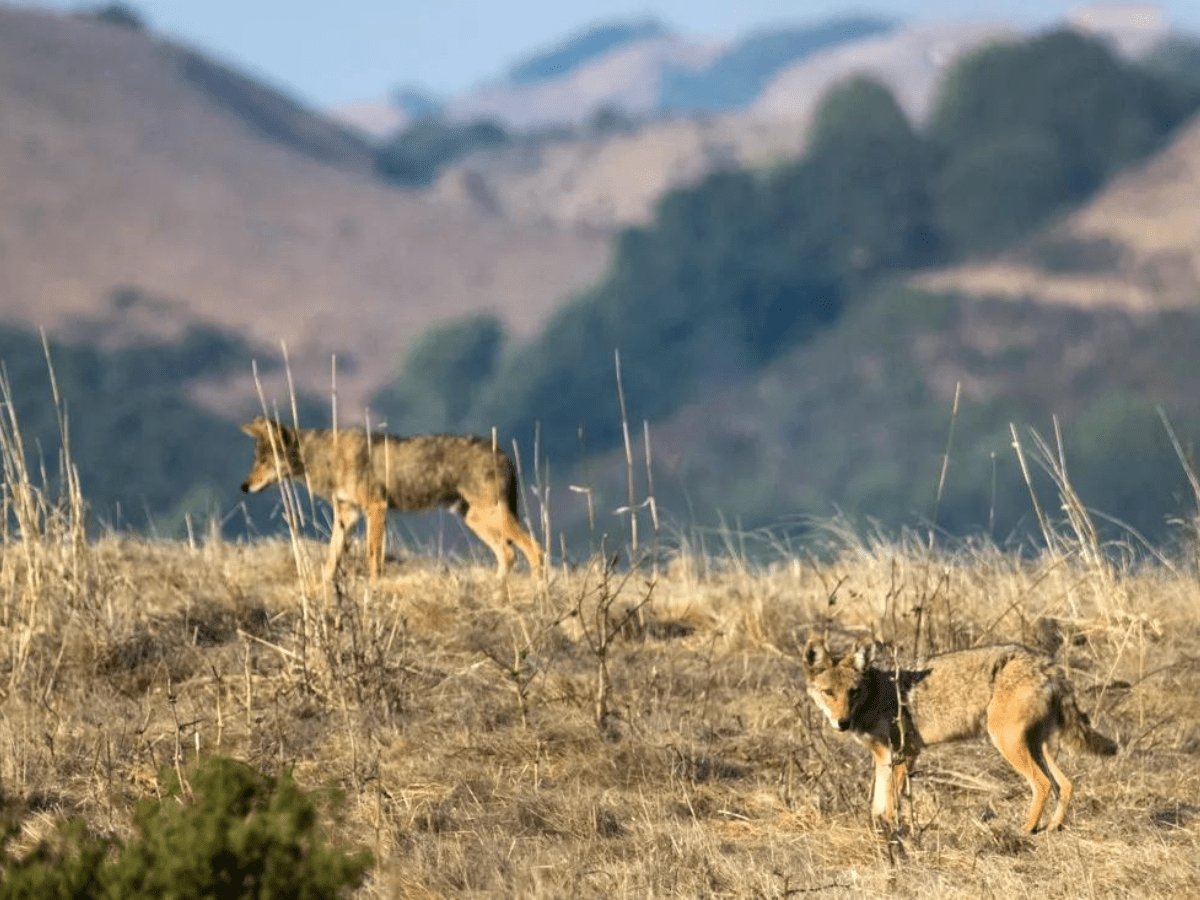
<point>119,14</point>
<point>1121,461</point>
<point>1061,104</point>
<point>442,374</point>
<point>415,156</point>
<point>868,173</point>
<point>1177,60</point>
<point>990,193</point>
<point>725,278</point>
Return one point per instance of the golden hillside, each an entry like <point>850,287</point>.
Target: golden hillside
<point>615,180</point>
<point>126,161</point>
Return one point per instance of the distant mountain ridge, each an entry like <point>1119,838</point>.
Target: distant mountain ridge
<point>639,67</point>
<point>582,48</point>
<point>613,180</point>
<point>735,78</point>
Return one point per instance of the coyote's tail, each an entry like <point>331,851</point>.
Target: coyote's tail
<point>512,496</point>
<point>1077,728</point>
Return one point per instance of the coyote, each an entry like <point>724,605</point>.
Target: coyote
<point>359,472</point>
<point>1016,694</point>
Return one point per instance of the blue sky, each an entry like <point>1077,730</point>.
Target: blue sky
<point>326,53</point>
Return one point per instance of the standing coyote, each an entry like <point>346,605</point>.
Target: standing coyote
<point>359,472</point>
<point>1017,695</point>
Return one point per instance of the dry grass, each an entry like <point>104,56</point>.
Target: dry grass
<point>606,731</point>
<point>460,716</point>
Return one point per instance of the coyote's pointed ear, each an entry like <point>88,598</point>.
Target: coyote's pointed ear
<point>816,655</point>
<point>862,655</point>
<point>256,427</point>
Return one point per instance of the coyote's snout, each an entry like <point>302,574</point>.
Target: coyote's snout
<point>370,472</point>
<point>1016,695</point>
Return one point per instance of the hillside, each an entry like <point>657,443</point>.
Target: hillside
<point>756,95</point>
<point>641,69</point>
<point>628,77</point>
<point>1136,246</point>
<point>909,62</point>
<point>857,416</point>
<point>127,162</point>
<point>615,179</point>
<point>735,79</point>
<point>1093,321</point>
<point>580,48</point>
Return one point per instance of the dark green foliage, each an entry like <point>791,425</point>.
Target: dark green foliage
<point>119,14</point>
<point>1177,60</point>
<point>731,273</point>
<point>989,193</point>
<point>582,48</point>
<point>855,420</point>
<point>1120,460</point>
<point>243,834</point>
<point>720,283</point>
<point>1119,457</point>
<point>868,173</point>
<point>415,156</point>
<point>141,445</point>
<point>739,75</point>
<point>1120,463</point>
<point>528,389</point>
<point>234,833</point>
<point>858,111</point>
<point>1062,254</point>
<point>68,867</point>
<point>442,374</point>
<point>1029,128</point>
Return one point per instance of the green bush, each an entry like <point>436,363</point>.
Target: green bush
<point>414,157</point>
<point>118,14</point>
<point>441,375</point>
<point>1028,129</point>
<point>991,193</point>
<point>239,834</point>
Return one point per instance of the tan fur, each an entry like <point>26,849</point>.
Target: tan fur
<point>1014,694</point>
<point>369,473</point>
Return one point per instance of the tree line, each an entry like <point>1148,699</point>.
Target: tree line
<point>748,264</point>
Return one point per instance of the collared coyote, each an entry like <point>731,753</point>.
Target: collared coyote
<point>1019,697</point>
<point>360,472</point>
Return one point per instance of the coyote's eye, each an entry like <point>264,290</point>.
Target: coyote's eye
<point>828,692</point>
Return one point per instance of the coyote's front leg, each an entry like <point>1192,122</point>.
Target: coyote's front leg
<point>891,776</point>
<point>376,525</point>
<point>344,516</point>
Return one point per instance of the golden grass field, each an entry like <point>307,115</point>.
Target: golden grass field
<point>462,717</point>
